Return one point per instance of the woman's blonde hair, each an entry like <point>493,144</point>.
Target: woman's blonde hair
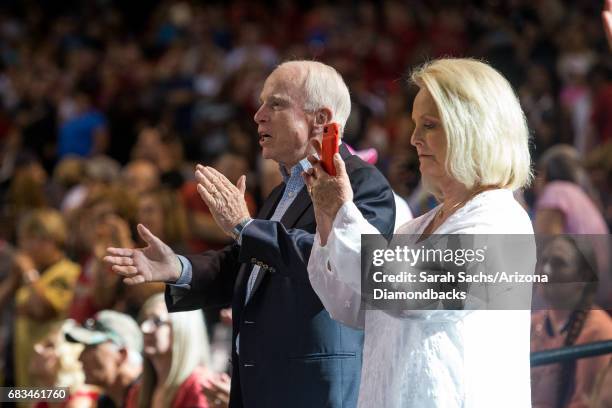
<point>190,348</point>
<point>486,130</point>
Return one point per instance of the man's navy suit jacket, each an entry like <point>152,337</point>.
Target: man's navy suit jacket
<point>292,353</point>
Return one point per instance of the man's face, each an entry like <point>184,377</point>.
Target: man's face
<point>101,364</point>
<point>284,127</point>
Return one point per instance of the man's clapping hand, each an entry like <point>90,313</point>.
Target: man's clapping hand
<point>225,200</point>
<point>154,263</point>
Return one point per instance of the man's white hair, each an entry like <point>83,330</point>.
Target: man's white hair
<point>323,88</point>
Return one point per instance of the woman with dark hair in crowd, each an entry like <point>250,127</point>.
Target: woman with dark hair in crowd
<point>164,214</point>
<point>572,319</point>
<point>102,220</point>
<point>567,203</point>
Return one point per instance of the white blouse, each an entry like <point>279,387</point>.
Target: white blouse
<point>430,358</point>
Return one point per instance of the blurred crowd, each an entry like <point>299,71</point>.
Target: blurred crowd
<point>106,107</point>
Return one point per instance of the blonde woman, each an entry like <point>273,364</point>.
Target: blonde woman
<point>472,141</point>
<point>176,354</point>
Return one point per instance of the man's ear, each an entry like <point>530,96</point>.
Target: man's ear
<point>323,116</point>
<point>123,355</point>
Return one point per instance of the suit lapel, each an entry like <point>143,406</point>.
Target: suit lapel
<point>265,213</point>
<point>301,203</point>
<point>298,207</point>
<point>344,151</point>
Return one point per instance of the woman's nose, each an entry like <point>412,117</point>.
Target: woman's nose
<point>415,138</point>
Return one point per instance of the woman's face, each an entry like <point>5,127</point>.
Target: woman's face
<point>156,330</point>
<point>566,284</point>
<point>428,137</point>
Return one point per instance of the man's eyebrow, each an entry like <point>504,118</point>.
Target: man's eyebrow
<point>277,97</point>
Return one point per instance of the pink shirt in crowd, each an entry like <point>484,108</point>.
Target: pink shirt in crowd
<point>581,214</point>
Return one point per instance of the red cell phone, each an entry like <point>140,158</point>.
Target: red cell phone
<point>331,134</point>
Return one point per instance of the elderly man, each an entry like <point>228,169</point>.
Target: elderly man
<point>111,358</point>
<point>287,351</point>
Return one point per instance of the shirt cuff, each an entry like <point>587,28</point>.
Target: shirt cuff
<point>184,280</point>
<point>341,221</point>
<point>319,254</point>
<point>239,239</point>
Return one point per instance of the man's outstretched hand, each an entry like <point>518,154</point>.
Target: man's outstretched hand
<point>154,263</point>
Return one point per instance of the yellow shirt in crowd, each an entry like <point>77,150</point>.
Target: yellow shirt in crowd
<point>56,285</point>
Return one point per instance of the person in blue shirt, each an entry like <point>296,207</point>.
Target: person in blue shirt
<point>85,134</point>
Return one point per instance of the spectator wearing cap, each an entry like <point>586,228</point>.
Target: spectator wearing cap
<point>112,357</point>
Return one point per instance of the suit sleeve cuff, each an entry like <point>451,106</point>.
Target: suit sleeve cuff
<point>184,281</point>
<point>239,239</point>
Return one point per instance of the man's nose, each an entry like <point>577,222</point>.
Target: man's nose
<point>260,116</point>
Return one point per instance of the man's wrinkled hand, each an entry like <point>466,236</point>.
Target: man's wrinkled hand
<point>328,193</point>
<point>154,263</point>
<point>225,200</point>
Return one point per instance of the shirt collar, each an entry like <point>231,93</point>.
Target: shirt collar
<point>296,170</point>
